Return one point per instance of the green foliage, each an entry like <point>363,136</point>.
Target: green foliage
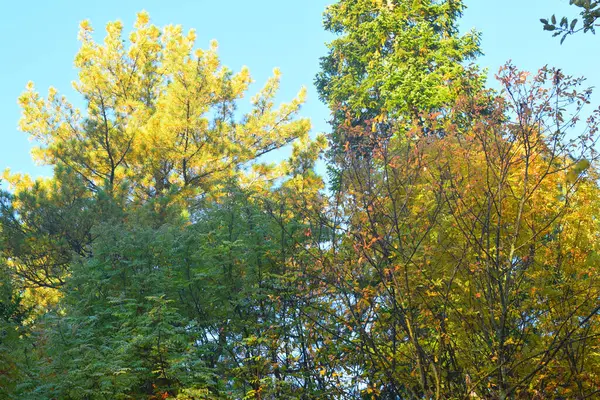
<point>394,57</point>
<point>12,343</point>
<point>390,61</point>
<point>151,263</point>
<point>456,256</point>
<point>590,12</point>
<point>44,224</point>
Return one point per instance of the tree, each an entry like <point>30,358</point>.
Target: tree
<point>160,116</point>
<point>455,255</point>
<point>158,91</point>
<point>463,268</point>
<point>448,277</point>
<point>390,61</point>
<point>157,238</point>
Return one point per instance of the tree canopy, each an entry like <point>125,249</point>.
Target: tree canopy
<point>453,253</point>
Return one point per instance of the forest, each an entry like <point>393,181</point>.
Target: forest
<point>448,249</point>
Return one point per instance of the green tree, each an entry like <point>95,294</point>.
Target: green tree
<point>392,60</point>
<point>156,254</point>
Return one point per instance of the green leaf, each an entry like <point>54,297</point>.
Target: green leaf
<point>573,23</point>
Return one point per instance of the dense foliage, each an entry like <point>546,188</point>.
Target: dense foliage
<point>454,254</point>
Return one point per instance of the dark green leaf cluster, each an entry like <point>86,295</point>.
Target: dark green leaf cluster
<point>590,12</point>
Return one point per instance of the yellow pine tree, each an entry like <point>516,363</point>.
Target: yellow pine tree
<point>159,113</point>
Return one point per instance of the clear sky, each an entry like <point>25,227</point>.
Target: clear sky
<point>38,40</point>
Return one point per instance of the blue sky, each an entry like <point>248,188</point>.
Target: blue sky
<point>39,41</point>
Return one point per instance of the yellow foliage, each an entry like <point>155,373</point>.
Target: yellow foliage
<point>159,114</point>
